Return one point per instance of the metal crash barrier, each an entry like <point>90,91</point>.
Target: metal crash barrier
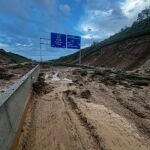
<point>12,106</point>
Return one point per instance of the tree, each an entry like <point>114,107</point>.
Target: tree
<point>145,14</point>
<point>122,29</point>
<point>140,17</point>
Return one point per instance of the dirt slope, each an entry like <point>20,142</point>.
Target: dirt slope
<point>131,53</point>
<point>129,48</point>
<point>8,57</point>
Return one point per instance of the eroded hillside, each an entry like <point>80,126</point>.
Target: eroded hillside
<point>129,54</point>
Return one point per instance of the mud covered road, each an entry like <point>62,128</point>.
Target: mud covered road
<point>77,112</point>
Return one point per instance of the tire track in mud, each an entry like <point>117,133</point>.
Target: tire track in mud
<point>56,127</point>
<point>142,114</point>
<point>73,123</point>
<point>68,121</point>
<point>90,128</point>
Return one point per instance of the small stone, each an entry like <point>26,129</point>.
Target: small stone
<point>85,94</point>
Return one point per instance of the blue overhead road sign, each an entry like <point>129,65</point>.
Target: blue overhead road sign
<point>73,42</point>
<point>65,41</point>
<point>58,40</point>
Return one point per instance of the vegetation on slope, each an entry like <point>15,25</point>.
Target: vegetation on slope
<point>9,57</point>
<point>139,28</point>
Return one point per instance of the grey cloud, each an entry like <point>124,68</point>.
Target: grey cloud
<point>14,8</point>
<point>104,22</point>
<point>65,9</point>
<point>49,6</point>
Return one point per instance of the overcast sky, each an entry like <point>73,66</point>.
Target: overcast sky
<point>23,22</point>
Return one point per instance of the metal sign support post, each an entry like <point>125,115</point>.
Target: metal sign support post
<point>41,47</point>
<point>80,57</point>
<point>40,51</point>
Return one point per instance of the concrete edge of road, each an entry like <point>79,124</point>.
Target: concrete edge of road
<point>13,104</point>
<point>15,142</point>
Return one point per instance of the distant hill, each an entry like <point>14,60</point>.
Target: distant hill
<point>9,57</point>
<point>129,49</point>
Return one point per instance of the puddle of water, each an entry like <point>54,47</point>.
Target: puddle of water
<point>67,80</point>
<point>46,76</point>
<point>55,77</point>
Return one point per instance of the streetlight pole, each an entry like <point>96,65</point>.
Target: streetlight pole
<point>80,57</point>
<point>40,50</point>
<point>91,36</point>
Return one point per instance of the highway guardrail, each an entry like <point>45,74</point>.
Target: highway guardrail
<point>12,106</point>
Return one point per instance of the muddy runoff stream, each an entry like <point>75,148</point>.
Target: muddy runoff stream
<point>68,117</point>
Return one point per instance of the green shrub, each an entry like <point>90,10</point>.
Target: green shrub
<point>101,72</point>
<point>147,71</point>
<point>108,80</point>
<point>141,83</point>
<point>137,71</point>
<point>17,66</point>
<point>84,73</point>
<point>4,76</point>
<point>120,75</point>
